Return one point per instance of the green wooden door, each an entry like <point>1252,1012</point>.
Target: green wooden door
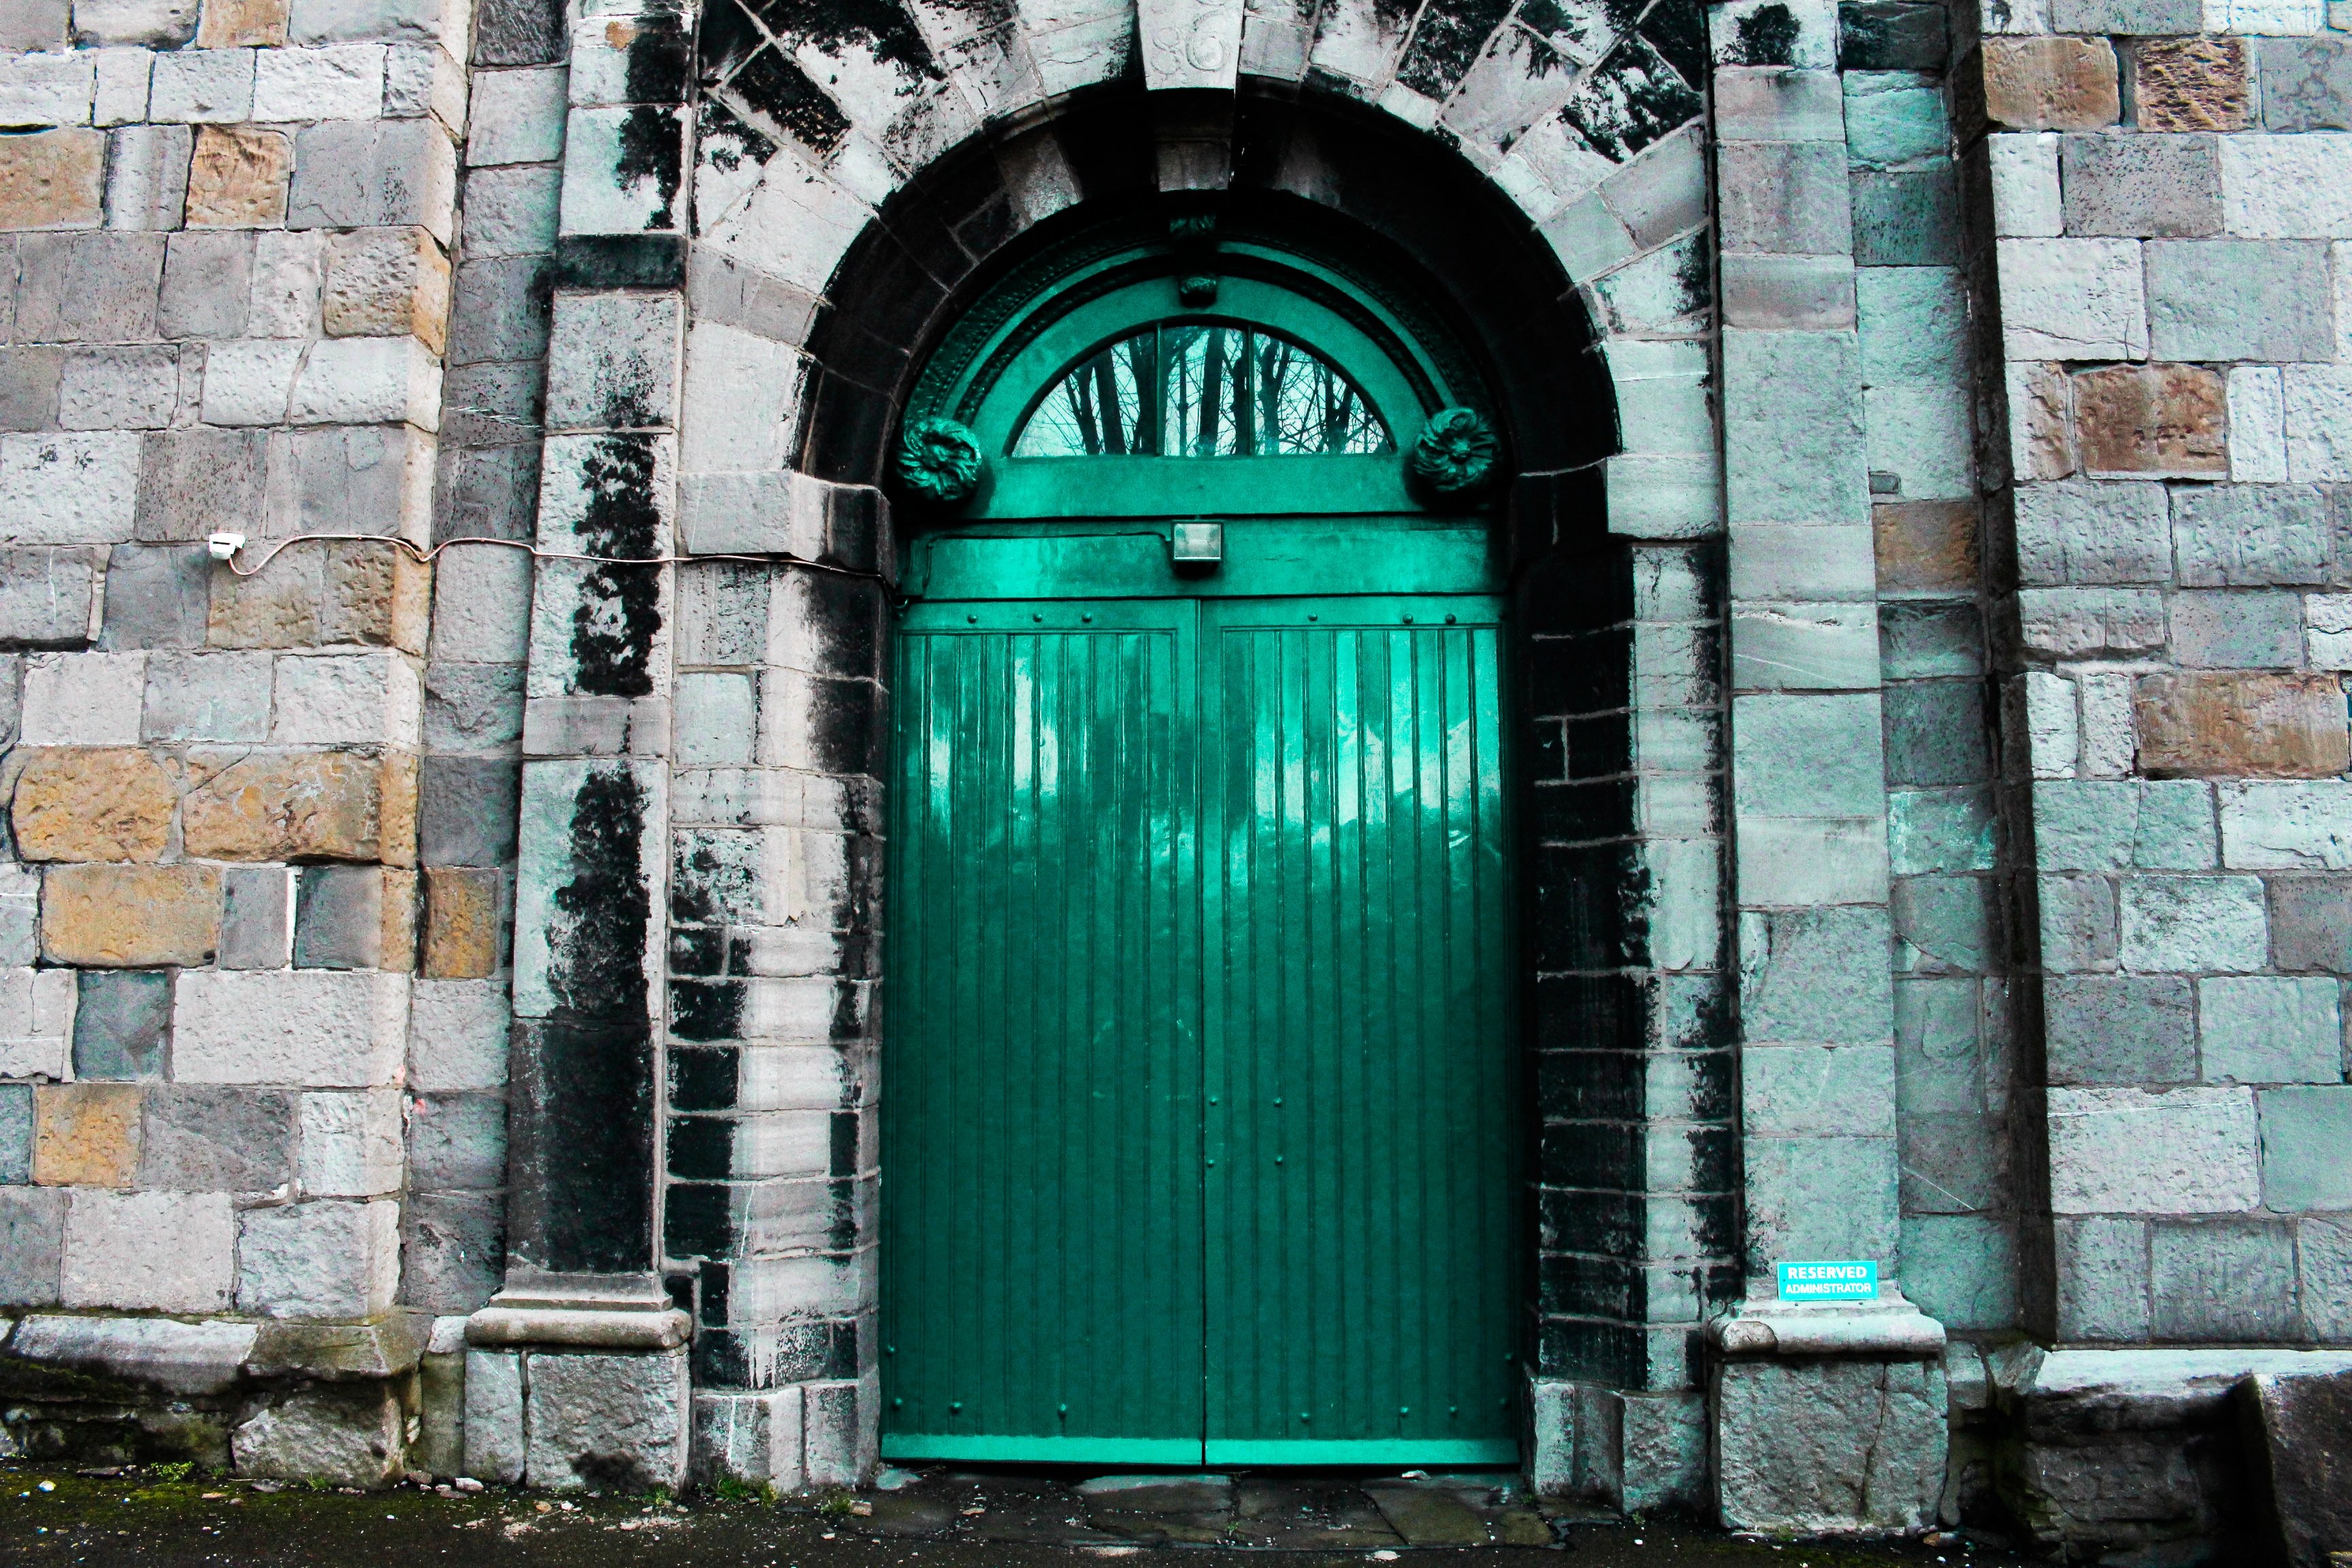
<point>1199,1143</point>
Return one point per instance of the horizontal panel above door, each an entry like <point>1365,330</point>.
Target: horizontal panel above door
<point>1261,559</point>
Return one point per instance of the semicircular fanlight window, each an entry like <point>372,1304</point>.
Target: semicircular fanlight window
<point>1195,389</point>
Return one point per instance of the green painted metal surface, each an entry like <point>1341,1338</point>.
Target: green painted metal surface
<point>1198,1100</point>
<point>1199,1107</point>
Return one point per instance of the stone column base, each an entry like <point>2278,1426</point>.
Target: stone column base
<point>578,1383</point>
<point>1633,1451</point>
<point>1828,1419</point>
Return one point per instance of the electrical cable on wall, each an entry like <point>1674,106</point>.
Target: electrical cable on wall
<point>226,547</point>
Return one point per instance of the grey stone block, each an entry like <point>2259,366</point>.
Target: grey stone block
<point>467,810</point>
<point>2306,1132</point>
<point>1944,924</point>
<point>87,287</point>
<point>352,21</point>
<point>511,209</point>
<point>1939,830</point>
<point>34,24</point>
<point>1817,976</point>
<point>46,596</point>
<point>159,596</point>
<point>157,24</point>
<point>499,310</point>
<point>722,290</point>
<point>217,1138</point>
<point>20,911</point>
<point>518,33</point>
<point>147,176</point>
<point>1784,198</point>
<point>207,286</point>
<point>349,1435</point>
<point>2119,1030</point>
<point>2237,298</point>
<point>2306,82</point>
<point>1906,217</point>
<point>2176,830</point>
<point>1878,1462</point>
<point>453,1257</point>
<point>487,492</point>
<point>2127,18</point>
<point>32,1244</point>
<point>2213,630</point>
<point>1951,1164</point>
<point>1808,755</point>
<point>2222,1279</point>
<point>349,480</point>
<point>118,389</point>
<point>1893,118</point>
<point>16,1134</point>
<point>370,173</point>
<point>2102,1279</point>
<point>473,708</point>
<point>207,696</point>
<point>2193,925</point>
<point>122,1021</point>
<point>612,361</point>
<point>2139,185</point>
<point>1935,733</point>
<point>612,1422</point>
<point>2311,923</point>
<point>1937,1044</point>
<point>29,388</point>
<point>458,1142</point>
<point>2271,1029</point>
<point>1800,293</point>
<point>1961,1269</point>
<point>338,917</point>
<point>195,483</point>
<point>2078,924</point>
<point>492,404</point>
<point>2324,1270</point>
<point>255,929</point>
<point>2085,532</point>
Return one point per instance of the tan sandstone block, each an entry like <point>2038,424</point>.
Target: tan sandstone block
<point>376,593</point>
<point>307,806</point>
<point>2152,419</point>
<point>275,608</point>
<point>1926,546</point>
<point>2242,724</point>
<point>243,24</point>
<point>2051,84</point>
<point>94,804</point>
<point>461,922</point>
<point>400,776</point>
<point>51,179</point>
<point>130,917</point>
<point>396,937</point>
<point>387,283</point>
<point>2189,84</point>
<point>86,1135</point>
<point>237,178</point>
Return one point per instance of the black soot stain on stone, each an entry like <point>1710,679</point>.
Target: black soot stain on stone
<point>613,625</point>
<point>881,28</point>
<point>726,39</point>
<point>652,149</point>
<point>772,84</point>
<point>726,142</point>
<point>1695,276</point>
<point>1633,98</point>
<point>656,68</point>
<point>1767,36</point>
<point>1677,29</point>
<point>1450,35</point>
<point>706,1010</point>
<point>597,966</point>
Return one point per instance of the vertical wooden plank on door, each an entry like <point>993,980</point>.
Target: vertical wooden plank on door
<point>1041,1224</point>
<point>1361,1214</point>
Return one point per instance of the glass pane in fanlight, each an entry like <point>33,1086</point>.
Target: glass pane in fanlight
<point>1199,389</point>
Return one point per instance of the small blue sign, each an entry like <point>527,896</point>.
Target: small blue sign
<point>1850,1281</point>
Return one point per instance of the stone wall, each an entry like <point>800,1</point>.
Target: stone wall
<point>2167,215</point>
<point>228,279</point>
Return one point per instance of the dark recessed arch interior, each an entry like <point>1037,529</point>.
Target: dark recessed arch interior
<point>1344,176</point>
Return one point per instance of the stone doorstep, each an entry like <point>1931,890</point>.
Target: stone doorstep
<point>2103,1391</point>
<point>1306,1513</point>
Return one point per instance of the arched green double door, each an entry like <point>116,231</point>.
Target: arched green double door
<point>1201,1141</point>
